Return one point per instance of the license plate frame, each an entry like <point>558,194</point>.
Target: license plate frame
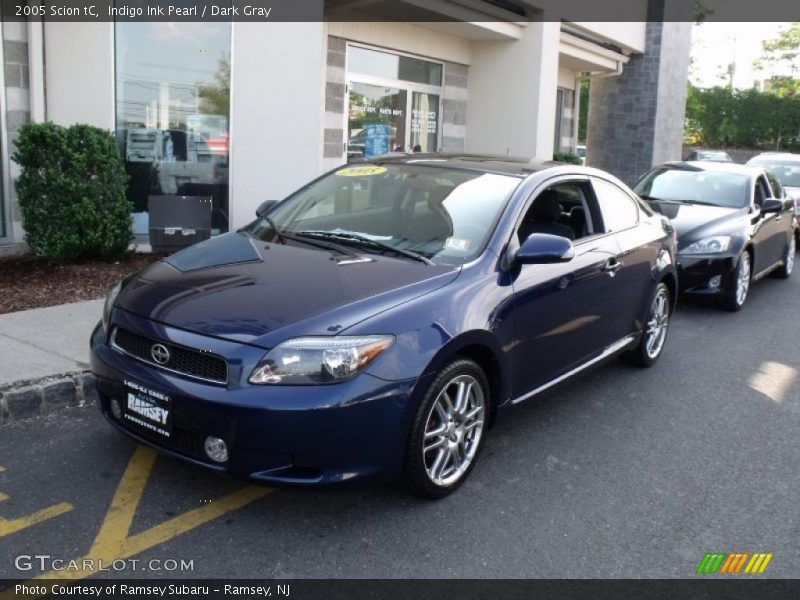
<point>147,409</point>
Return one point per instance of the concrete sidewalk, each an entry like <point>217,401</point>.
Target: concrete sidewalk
<point>45,342</point>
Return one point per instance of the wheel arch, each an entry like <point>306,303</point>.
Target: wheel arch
<point>482,348</point>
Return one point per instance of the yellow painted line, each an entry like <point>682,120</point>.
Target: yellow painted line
<point>767,558</point>
<point>2,469</point>
<point>3,496</point>
<point>9,526</point>
<point>113,541</point>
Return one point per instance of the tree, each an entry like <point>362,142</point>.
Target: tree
<point>215,98</point>
<point>783,49</point>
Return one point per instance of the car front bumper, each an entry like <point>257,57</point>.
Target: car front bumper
<point>698,274</point>
<point>300,435</point>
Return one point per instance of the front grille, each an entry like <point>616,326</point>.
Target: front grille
<point>184,361</point>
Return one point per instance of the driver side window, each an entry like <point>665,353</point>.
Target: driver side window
<point>560,210</point>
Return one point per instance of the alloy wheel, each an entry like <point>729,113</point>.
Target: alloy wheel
<point>453,430</point>
<point>743,279</point>
<point>657,323</point>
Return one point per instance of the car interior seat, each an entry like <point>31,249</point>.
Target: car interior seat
<point>544,217</point>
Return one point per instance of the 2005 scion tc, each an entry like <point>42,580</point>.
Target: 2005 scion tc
<point>373,323</point>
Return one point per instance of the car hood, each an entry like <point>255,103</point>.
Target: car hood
<point>239,288</point>
<point>694,221</point>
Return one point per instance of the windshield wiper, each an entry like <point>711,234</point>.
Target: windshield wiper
<point>283,236</point>
<point>362,240</point>
<point>703,202</point>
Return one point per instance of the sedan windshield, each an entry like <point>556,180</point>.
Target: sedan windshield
<point>717,188</point>
<point>788,173</point>
<point>411,212</point>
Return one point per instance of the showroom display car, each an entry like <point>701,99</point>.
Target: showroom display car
<point>732,229</point>
<point>372,324</point>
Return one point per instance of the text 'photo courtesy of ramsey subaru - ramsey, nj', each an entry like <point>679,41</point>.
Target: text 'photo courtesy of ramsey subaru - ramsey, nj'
<point>374,324</point>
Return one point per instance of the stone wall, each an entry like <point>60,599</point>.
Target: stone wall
<point>636,118</point>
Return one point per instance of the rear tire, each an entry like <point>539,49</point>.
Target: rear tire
<point>654,336</point>
<point>448,430</point>
<point>785,271</point>
<point>736,296</point>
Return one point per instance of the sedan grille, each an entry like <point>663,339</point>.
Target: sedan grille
<point>177,359</point>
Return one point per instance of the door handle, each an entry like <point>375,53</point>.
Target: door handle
<point>612,266</point>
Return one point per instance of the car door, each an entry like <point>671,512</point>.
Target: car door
<point>768,230</point>
<point>637,250</point>
<point>561,310</point>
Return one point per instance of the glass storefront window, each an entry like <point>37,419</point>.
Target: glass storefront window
<point>393,103</point>
<point>393,66</point>
<point>173,113</point>
<point>377,119</point>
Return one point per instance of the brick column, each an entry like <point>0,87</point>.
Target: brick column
<point>636,118</point>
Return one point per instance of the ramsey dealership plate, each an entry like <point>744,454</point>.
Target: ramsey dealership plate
<point>147,409</point>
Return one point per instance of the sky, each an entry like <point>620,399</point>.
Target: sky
<point>715,45</point>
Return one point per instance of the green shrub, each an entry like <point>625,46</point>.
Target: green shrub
<point>567,157</point>
<point>72,192</point>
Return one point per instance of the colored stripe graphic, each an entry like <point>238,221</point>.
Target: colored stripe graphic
<point>729,563</point>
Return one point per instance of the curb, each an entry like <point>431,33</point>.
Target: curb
<point>29,399</point>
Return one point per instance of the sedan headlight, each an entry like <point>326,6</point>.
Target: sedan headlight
<point>318,360</point>
<point>109,304</point>
<point>709,245</point>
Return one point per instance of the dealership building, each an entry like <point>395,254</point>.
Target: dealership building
<point>243,112</point>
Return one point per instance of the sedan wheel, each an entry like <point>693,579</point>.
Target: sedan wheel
<point>656,326</point>
<point>741,284</point>
<point>448,430</point>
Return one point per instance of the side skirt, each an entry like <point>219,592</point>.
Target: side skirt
<point>608,352</point>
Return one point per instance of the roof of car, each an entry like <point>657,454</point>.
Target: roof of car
<point>507,165</point>
<point>718,167</point>
<point>785,156</point>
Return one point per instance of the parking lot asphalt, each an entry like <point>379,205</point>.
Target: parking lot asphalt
<point>623,473</point>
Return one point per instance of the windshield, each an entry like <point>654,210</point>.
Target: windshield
<point>788,173</point>
<point>440,214</point>
<point>700,187</point>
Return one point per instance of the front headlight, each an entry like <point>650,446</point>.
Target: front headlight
<point>109,304</point>
<point>709,245</point>
<point>318,360</point>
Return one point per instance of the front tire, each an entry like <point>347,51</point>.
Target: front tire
<point>448,430</point>
<point>788,260</point>
<point>736,296</point>
<point>654,337</point>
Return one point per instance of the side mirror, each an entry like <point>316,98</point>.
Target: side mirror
<point>771,205</point>
<point>543,248</point>
<point>265,207</point>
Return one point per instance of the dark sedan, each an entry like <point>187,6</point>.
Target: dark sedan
<point>373,323</point>
<point>732,230</point>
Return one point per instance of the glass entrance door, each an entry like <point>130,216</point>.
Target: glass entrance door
<point>424,122</point>
<point>377,120</point>
<point>393,103</point>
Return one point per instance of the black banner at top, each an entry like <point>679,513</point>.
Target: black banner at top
<point>279,11</point>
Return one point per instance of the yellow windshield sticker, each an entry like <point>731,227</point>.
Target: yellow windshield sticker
<point>361,171</point>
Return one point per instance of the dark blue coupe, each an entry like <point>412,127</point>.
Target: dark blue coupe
<point>375,322</point>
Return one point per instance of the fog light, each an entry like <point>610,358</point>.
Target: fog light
<point>116,409</point>
<point>715,282</point>
<point>216,449</point>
